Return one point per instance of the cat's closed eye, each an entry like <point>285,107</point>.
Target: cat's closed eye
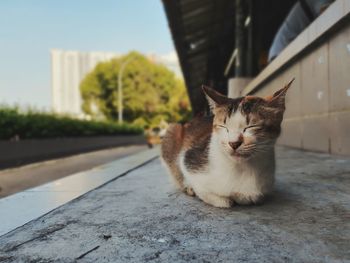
<point>251,127</point>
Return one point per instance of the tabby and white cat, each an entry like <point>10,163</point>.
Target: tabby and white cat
<point>228,158</point>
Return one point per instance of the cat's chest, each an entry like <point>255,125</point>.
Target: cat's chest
<point>228,179</point>
<point>224,178</point>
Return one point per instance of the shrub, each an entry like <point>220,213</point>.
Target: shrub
<point>31,124</point>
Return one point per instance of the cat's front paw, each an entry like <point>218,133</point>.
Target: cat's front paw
<point>216,200</point>
<point>189,191</point>
<point>221,202</point>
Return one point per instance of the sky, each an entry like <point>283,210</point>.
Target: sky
<point>30,28</point>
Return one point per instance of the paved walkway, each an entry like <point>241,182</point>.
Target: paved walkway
<point>140,218</point>
<point>18,179</point>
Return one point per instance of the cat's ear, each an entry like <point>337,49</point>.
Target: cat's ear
<point>278,99</point>
<point>214,98</point>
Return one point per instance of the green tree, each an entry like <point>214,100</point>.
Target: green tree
<point>151,92</point>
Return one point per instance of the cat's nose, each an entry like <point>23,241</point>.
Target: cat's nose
<point>235,145</point>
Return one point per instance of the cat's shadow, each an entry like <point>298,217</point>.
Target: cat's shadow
<point>279,198</point>
<point>276,200</point>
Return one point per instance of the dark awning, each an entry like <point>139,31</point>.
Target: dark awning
<point>204,36</point>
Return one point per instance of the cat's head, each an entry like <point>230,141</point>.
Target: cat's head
<point>248,126</point>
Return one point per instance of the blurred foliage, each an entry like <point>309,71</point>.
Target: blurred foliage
<point>151,92</point>
<point>31,124</point>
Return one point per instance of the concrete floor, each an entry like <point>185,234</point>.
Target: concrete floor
<point>28,176</point>
<point>140,218</point>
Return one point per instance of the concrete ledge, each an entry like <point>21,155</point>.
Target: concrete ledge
<point>25,206</point>
<point>15,153</point>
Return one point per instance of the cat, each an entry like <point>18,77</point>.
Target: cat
<point>227,158</point>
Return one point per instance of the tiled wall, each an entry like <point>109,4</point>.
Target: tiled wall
<point>318,103</point>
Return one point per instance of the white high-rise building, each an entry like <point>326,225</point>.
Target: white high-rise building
<point>68,70</point>
<point>169,60</point>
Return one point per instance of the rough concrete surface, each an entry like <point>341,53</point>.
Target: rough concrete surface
<point>140,218</point>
